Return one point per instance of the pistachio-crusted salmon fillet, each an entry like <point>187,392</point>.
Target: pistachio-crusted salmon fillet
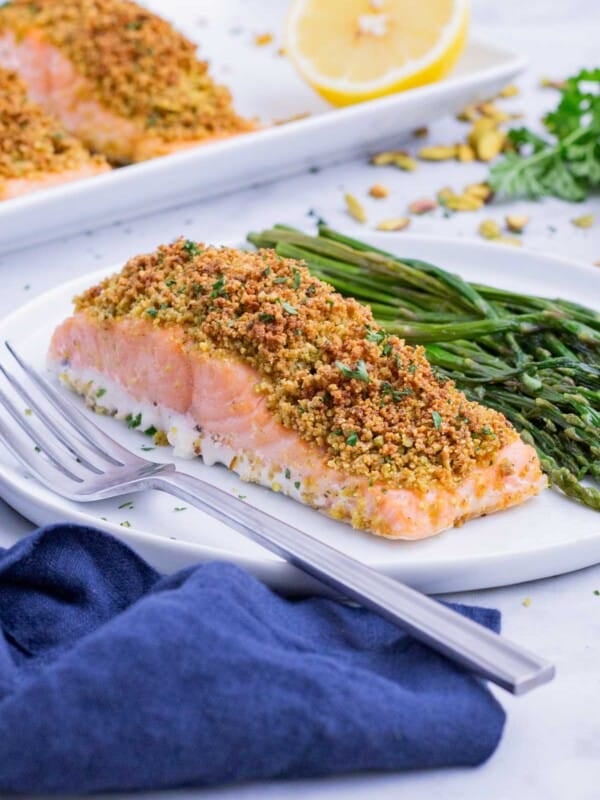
<point>35,150</point>
<point>248,360</point>
<point>116,75</point>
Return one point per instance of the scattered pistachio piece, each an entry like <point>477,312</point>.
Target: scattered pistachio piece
<point>509,91</point>
<point>489,144</point>
<point>489,229</point>
<point>397,158</point>
<point>467,114</point>
<point>463,202</point>
<point>378,190</point>
<point>444,194</point>
<point>355,208</point>
<point>516,222</point>
<point>586,221</point>
<point>437,153</point>
<point>527,602</point>
<point>394,224</point>
<point>464,152</point>
<point>262,39</point>
<point>550,83</point>
<point>481,190</point>
<point>422,206</point>
<point>479,127</point>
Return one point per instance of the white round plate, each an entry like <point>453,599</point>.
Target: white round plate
<point>548,535</point>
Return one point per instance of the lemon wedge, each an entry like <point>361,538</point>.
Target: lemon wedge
<point>355,50</point>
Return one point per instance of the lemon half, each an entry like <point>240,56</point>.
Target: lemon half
<point>354,50</point>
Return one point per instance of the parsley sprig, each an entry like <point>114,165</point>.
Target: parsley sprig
<point>567,165</point>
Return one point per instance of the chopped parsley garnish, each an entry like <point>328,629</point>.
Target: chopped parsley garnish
<point>280,280</point>
<point>125,524</point>
<point>170,282</point>
<point>437,420</point>
<point>191,248</point>
<point>396,394</point>
<point>412,368</point>
<point>375,336</point>
<point>150,431</point>
<point>133,422</point>
<point>352,439</point>
<point>180,508</point>
<point>152,312</point>
<point>296,484</point>
<point>487,431</point>
<point>266,317</point>
<point>126,504</point>
<point>297,278</point>
<point>147,447</point>
<point>359,373</point>
<point>387,348</point>
<point>100,392</point>
<point>311,291</point>
<point>290,309</point>
<point>288,474</point>
<point>218,288</point>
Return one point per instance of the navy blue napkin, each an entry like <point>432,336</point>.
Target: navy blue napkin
<point>113,677</point>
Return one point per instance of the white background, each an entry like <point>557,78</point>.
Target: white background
<point>551,745</point>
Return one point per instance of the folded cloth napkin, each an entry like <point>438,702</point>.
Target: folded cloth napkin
<point>113,677</point>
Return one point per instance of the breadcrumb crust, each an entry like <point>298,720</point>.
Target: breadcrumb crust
<point>327,371</point>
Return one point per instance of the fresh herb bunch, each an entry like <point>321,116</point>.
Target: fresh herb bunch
<point>535,359</point>
<point>566,165</point>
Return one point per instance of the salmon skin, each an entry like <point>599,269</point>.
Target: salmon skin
<point>35,150</point>
<point>117,76</point>
<point>248,360</point>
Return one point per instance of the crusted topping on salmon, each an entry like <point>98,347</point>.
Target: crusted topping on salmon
<point>32,144</point>
<point>134,62</point>
<point>372,402</point>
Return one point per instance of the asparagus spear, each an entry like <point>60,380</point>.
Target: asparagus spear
<point>535,359</point>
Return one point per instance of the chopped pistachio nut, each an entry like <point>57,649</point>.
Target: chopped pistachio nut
<point>586,221</point>
<point>422,206</point>
<point>463,202</point>
<point>509,91</point>
<point>437,153</point>
<point>516,222</point>
<point>355,208</point>
<point>379,191</point>
<point>394,224</point>
<point>550,83</point>
<point>464,152</point>
<point>481,190</point>
<point>489,144</point>
<point>396,158</point>
<point>489,229</point>
<point>467,114</point>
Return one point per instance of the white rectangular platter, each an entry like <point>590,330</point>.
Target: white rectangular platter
<point>264,85</point>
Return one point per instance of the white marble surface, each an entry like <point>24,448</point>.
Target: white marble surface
<point>551,746</point>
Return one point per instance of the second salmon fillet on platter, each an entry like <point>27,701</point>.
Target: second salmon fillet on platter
<point>117,76</point>
<point>247,360</point>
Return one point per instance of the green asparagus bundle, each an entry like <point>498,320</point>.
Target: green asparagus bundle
<point>534,359</point>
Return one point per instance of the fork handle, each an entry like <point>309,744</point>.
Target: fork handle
<point>466,642</point>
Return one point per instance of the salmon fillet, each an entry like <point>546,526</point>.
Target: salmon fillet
<point>117,76</point>
<point>35,150</point>
<point>247,360</point>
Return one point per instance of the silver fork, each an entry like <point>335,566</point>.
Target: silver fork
<point>82,463</point>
